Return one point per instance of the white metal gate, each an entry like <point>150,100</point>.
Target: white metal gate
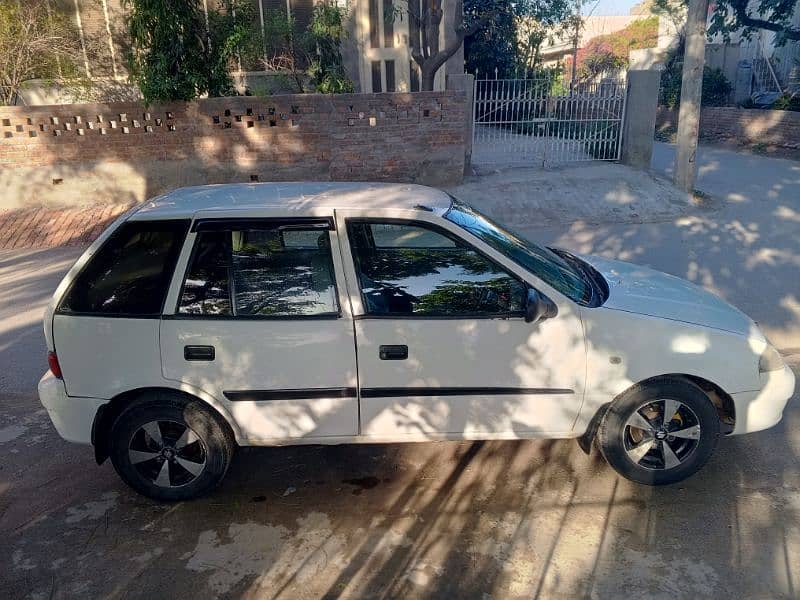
<point>543,121</point>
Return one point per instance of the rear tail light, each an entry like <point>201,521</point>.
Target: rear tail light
<point>52,362</point>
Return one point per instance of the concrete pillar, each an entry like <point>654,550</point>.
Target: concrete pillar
<point>640,118</point>
<point>743,86</point>
<point>466,82</point>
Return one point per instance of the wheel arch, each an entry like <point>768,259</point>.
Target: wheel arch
<point>722,401</point>
<point>108,413</point>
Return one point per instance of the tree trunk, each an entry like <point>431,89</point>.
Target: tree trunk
<point>427,78</point>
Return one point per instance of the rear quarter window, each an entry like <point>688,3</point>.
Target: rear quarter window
<point>131,272</point>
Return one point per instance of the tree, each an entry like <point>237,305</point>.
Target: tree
<point>284,49</point>
<point>610,52</point>
<point>315,53</point>
<point>493,46</point>
<point>541,21</point>
<point>425,19</point>
<point>741,15</point>
<point>325,34</point>
<point>424,23</point>
<point>175,56</point>
<point>512,37</point>
<point>36,42</point>
<point>168,59</point>
<point>772,15</point>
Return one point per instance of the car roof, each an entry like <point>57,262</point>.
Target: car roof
<point>296,198</point>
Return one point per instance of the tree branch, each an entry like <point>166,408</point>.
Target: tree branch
<point>743,18</point>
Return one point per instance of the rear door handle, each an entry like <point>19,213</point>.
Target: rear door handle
<point>198,352</point>
<point>393,352</point>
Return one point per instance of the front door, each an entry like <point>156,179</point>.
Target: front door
<point>443,348</point>
<point>259,324</point>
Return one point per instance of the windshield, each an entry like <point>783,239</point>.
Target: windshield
<point>556,272</point>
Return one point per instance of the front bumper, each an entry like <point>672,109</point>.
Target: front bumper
<point>763,408</point>
<point>72,417</point>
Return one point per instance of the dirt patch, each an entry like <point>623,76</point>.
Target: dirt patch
<point>597,193</point>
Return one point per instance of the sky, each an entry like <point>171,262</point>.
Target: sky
<point>609,7</point>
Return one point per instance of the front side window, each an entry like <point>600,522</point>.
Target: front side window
<point>411,270</point>
<point>555,270</point>
<point>283,271</point>
<point>130,274</point>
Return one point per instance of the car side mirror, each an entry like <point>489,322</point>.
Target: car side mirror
<point>539,307</point>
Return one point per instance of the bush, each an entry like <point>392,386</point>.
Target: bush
<point>325,34</point>
<point>609,53</point>
<point>716,87</point>
<point>788,102</point>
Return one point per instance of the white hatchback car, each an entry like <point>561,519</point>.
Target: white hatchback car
<point>329,313</point>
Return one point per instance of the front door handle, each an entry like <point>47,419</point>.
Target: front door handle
<point>198,352</point>
<point>393,352</point>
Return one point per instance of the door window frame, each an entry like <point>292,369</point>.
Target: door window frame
<point>436,228</point>
<point>217,223</point>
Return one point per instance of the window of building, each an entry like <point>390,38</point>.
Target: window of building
<point>377,86</point>
<point>391,86</point>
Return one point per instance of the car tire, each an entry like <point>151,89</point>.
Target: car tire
<point>170,448</point>
<point>639,445</point>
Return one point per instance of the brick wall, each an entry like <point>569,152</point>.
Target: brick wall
<point>122,153</point>
<point>748,126</point>
<point>49,227</point>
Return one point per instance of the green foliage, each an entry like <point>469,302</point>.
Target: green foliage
<point>511,38</point>
<point>610,52</point>
<point>169,50</point>
<point>36,42</point>
<point>787,101</point>
<point>743,16</point>
<point>325,34</point>
<point>174,57</point>
<point>285,54</point>
<point>313,55</point>
<point>716,87</point>
<point>493,46</point>
<point>772,15</point>
<point>234,29</point>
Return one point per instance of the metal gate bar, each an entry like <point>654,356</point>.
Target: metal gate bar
<point>540,121</point>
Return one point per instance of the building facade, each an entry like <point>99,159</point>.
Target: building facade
<point>376,51</point>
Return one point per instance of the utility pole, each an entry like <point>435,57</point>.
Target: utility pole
<point>691,95</point>
<point>575,41</point>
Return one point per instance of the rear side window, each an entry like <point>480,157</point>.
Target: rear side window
<point>130,274</point>
<point>270,272</point>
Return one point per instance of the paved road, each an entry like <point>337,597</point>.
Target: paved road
<point>518,519</point>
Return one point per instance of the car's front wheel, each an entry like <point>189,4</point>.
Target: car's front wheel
<point>170,448</point>
<point>660,432</point>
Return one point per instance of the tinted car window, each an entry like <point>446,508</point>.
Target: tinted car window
<point>412,270</point>
<point>554,269</point>
<point>261,272</point>
<point>130,274</point>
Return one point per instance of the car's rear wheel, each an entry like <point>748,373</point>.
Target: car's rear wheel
<point>170,448</point>
<point>660,432</point>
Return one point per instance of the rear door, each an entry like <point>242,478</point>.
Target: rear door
<point>258,322</point>
<point>106,323</point>
<point>443,347</point>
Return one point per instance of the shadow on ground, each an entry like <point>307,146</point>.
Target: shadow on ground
<point>451,519</point>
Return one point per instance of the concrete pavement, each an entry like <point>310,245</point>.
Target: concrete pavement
<point>478,520</point>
